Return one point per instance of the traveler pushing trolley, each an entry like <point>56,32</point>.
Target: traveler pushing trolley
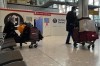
<point>86,33</point>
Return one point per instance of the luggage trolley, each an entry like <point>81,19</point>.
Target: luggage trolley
<point>2,36</point>
<point>83,37</point>
<point>34,37</point>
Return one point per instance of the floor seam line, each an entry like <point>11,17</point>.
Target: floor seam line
<point>50,57</point>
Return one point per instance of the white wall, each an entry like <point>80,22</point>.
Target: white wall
<point>58,28</point>
<point>46,28</point>
<point>4,13</point>
<point>52,29</point>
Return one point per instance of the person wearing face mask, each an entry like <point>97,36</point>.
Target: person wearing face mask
<point>71,19</point>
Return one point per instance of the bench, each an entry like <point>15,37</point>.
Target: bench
<point>18,63</point>
<point>10,56</point>
<point>8,43</point>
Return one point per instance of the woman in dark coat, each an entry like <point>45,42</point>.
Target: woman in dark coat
<point>24,36</point>
<point>9,29</point>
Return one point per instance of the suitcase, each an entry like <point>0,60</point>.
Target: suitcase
<point>88,36</point>
<point>76,35</point>
<point>84,36</point>
<point>34,34</point>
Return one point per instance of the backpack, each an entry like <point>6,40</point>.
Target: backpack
<point>21,28</point>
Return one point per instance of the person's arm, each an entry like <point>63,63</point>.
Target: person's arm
<point>75,19</point>
<point>67,15</point>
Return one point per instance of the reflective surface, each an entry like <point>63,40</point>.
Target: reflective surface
<point>53,51</point>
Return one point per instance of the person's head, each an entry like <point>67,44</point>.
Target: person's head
<point>11,19</point>
<point>73,8</point>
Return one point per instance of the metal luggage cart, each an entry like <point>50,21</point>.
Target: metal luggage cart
<point>2,36</point>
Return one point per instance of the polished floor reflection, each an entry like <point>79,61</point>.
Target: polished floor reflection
<point>53,51</point>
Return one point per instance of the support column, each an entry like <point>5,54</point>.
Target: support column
<point>3,3</point>
<point>83,8</point>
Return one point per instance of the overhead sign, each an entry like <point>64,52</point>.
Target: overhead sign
<point>92,12</point>
<point>42,13</point>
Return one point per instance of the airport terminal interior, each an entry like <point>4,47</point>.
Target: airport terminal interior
<point>49,16</point>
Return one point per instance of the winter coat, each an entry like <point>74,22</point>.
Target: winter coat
<point>71,19</point>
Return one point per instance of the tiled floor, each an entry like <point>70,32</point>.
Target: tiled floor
<point>53,51</point>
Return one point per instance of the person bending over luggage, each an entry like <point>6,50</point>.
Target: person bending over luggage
<point>9,28</point>
<point>71,19</point>
<point>24,33</point>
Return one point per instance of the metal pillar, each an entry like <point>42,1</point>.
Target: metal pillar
<point>83,8</point>
<point>3,3</point>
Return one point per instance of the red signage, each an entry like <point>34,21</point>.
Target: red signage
<point>42,13</point>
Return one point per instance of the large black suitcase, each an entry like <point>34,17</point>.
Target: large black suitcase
<point>34,34</point>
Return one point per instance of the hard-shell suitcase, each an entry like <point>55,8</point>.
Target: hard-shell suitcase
<point>34,34</point>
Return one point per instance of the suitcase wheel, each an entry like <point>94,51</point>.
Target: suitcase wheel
<point>30,46</point>
<point>75,45</point>
<point>83,43</point>
<point>93,46</point>
<point>88,46</point>
<point>35,46</point>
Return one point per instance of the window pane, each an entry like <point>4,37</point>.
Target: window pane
<point>96,2</point>
<point>55,6</point>
<point>90,2</point>
<point>61,8</point>
<point>41,2</point>
<point>62,0</point>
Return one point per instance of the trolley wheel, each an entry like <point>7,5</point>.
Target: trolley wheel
<point>93,46</point>
<point>88,46</point>
<point>83,43</point>
<point>35,46</point>
<point>12,48</point>
<point>75,45</point>
<point>30,46</point>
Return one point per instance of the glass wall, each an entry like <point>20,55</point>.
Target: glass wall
<point>12,1</point>
<point>25,2</point>
<point>62,8</point>
<point>41,2</point>
<point>96,2</point>
<point>95,17</point>
<point>90,2</point>
<point>66,8</point>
